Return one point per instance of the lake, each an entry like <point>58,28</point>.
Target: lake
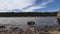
<point>24,20</point>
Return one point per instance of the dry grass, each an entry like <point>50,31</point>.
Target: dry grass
<point>29,31</point>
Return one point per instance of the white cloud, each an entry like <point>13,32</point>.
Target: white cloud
<point>46,2</point>
<point>15,4</point>
<point>20,4</point>
<point>32,8</point>
<point>40,6</point>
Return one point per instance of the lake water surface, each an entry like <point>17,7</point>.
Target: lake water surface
<point>24,20</point>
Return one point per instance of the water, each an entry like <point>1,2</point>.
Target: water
<point>24,20</point>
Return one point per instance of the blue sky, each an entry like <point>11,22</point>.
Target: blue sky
<point>29,5</point>
<point>54,6</point>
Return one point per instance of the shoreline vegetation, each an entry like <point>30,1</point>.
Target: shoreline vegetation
<point>28,14</point>
<point>31,31</point>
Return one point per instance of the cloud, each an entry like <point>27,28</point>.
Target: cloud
<point>23,5</point>
<point>46,2</point>
<point>39,6</point>
<point>15,4</point>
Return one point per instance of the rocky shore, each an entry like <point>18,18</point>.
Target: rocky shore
<point>25,31</point>
<point>31,31</point>
<point>44,29</point>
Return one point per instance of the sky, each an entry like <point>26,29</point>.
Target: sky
<point>29,5</point>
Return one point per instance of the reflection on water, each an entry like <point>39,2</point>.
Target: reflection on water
<point>24,20</point>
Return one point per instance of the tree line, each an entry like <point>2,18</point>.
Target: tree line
<point>27,14</point>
